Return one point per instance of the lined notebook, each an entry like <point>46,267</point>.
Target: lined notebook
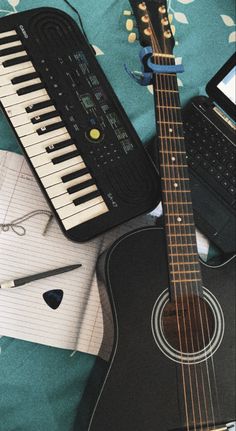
<point>77,323</point>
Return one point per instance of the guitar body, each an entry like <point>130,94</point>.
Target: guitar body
<point>173,362</point>
<point>142,388</point>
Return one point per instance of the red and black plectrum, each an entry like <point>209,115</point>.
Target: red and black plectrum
<point>53,298</point>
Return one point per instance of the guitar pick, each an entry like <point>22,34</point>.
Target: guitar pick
<point>53,298</point>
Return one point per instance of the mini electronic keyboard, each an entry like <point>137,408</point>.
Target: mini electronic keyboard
<point>81,146</point>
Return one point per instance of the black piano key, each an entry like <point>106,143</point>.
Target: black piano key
<point>59,146</point>
<point>65,157</point>
<point>15,61</point>
<point>30,89</point>
<point>86,198</point>
<point>24,78</point>
<point>44,117</point>
<point>38,106</point>
<point>12,50</point>
<point>80,186</point>
<point>9,39</point>
<point>74,175</point>
<point>50,128</point>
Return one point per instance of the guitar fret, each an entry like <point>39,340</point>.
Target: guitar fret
<point>187,280</point>
<point>175,178</point>
<point>172,137</point>
<point>174,166</point>
<point>166,91</point>
<point>169,107</point>
<point>182,245</point>
<point>178,214</point>
<point>170,122</point>
<point>185,272</point>
<point>167,74</point>
<point>171,152</point>
<point>183,254</point>
<point>166,203</point>
<point>184,263</point>
<point>180,225</point>
<point>176,191</point>
<point>182,234</point>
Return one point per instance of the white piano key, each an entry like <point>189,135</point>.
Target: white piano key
<point>45,157</point>
<point>12,56</point>
<point>85,215</point>
<point>61,188</point>
<point>66,199</point>
<point>21,107</point>
<point>15,68</point>
<point>30,128</point>
<point>34,150</point>
<point>6,79</point>
<point>18,120</point>
<point>50,168</point>
<point>35,138</point>
<point>71,209</point>
<point>55,178</point>
<point>7,34</point>
<point>10,45</point>
<point>14,98</point>
<point>7,90</point>
<point>21,119</point>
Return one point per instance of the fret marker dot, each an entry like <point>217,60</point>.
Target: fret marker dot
<point>173,159</point>
<point>175,185</point>
<point>170,130</point>
<point>179,219</point>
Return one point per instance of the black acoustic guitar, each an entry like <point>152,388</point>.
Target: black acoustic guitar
<point>173,361</point>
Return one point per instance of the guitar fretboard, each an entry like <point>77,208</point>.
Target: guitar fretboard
<point>184,269</point>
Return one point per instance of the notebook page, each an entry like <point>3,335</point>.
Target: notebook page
<point>78,323</point>
<point>23,312</point>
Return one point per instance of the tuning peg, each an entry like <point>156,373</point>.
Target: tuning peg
<point>130,24</point>
<point>165,21</point>
<point>167,34</point>
<point>127,12</point>
<point>162,9</point>
<point>132,37</point>
<point>142,6</point>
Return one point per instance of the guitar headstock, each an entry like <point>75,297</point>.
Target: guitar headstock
<point>153,25</point>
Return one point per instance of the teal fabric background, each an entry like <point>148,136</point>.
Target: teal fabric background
<point>40,387</point>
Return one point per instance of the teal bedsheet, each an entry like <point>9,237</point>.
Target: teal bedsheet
<point>40,387</point>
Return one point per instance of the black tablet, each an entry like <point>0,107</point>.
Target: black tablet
<point>222,89</point>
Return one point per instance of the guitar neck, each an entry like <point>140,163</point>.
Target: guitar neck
<point>184,268</point>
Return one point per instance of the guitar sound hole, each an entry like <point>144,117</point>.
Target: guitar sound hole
<point>188,324</point>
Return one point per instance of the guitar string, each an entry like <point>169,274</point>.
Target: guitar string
<point>163,168</point>
<point>182,247</point>
<point>189,265</point>
<point>168,186</point>
<point>193,248</point>
<point>209,337</point>
<point>181,210</point>
<point>174,101</point>
<point>166,154</point>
